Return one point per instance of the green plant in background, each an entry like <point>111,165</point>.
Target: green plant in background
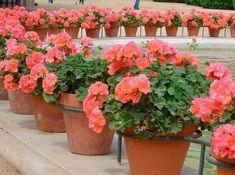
<point>213,4</point>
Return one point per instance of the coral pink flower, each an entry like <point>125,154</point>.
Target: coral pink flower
<point>217,71</point>
<point>86,42</point>
<point>223,141</point>
<point>9,83</point>
<point>33,37</point>
<point>11,65</point>
<point>49,82</point>
<point>54,55</point>
<point>38,71</point>
<point>34,58</point>
<point>142,63</point>
<point>27,84</point>
<point>96,120</point>
<point>131,88</point>
<point>206,109</point>
<point>15,49</point>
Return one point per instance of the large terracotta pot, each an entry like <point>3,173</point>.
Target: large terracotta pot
<point>131,31</point>
<point>232,30</point>
<point>171,31</point>
<point>42,32</point>
<point>93,33</point>
<point>49,118</point>
<point>150,30</point>
<point>223,170</point>
<point>112,31</point>
<point>155,157</point>
<point>3,91</point>
<point>193,31</point>
<point>72,30</point>
<point>82,140</point>
<point>54,30</point>
<point>20,103</point>
<point>214,32</point>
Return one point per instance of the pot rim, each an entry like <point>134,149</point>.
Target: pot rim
<point>214,161</point>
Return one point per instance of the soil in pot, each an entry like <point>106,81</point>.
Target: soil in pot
<point>131,31</point>
<point>20,103</point>
<point>171,31</point>
<point>232,30</point>
<point>49,118</point>
<point>193,31</point>
<point>150,30</point>
<point>3,91</point>
<point>112,31</point>
<point>72,31</point>
<point>155,157</point>
<point>82,140</point>
<point>214,32</point>
<point>93,33</point>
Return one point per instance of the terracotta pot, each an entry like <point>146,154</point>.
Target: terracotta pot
<point>224,170</point>
<point>171,31</point>
<point>214,32</point>
<point>49,118</point>
<point>42,32</point>
<point>72,31</point>
<point>82,140</point>
<point>112,31</point>
<point>154,157</point>
<point>3,91</point>
<point>93,33</point>
<point>54,30</point>
<point>131,31</point>
<point>232,30</point>
<point>150,30</point>
<point>19,103</point>
<point>193,31</point>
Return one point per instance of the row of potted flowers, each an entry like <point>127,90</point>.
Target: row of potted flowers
<point>93,18</point>
<point>142,92</point>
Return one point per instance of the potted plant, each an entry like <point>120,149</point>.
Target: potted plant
<point>152,20</point>
<point>231,22</point>
<point>150,92</point>
<point>131,20</point>
<point>215,21</point>
<point>92,20</point>
<point>37,21</point>
<point>75,75</point>
<point>112,21</point>
<point>193,21</point>
<point>173,20</point>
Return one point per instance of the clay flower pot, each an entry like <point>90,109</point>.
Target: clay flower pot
<point>3,91</point>
<point>171,31</point>
<point>93,33</point>
<point>151,157</point>
<point>150,30</point>
<point>49,118</point>
<point>72,30</point>
<point>19,103</point>
<point>232,30</point>
<point>112,31</point>
<point>214,32</point>
<point>42,32</point>
<point>193,31</point>
<point>224,170</point>
<point>131,31</point>
<point>54,30</point>
<point>82,140</point>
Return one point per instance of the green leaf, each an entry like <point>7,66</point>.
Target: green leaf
<point>171,90</point>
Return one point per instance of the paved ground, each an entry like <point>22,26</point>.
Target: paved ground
<point>117,4</point>
<point>6,168</point>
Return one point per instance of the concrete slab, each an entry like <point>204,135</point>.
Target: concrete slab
<point>36,153</point>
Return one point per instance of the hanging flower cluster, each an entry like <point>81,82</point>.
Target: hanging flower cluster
<point>193,19</point>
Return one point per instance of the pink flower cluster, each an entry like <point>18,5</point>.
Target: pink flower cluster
<point>193,19</point>
<point>153,18</point>
<point>223,142</point>
<point>171,16</point>
<point>14,48</point>
<point>221,94</point>
<point>111,18</point>
<point>215,20</point>
<point>97,95</point>
<point>130,17</point>
<point>86,46</point>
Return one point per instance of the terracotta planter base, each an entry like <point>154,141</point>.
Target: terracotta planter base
<point>153,157</point>
<point>49,118</point>
<point>53,31</point>
<point>232,30</point>
<point>42,33</point>
<point>72,31</point>
<point>82,140</point>
<point>20,103</point>
<point>112,31</point>
<point>193,31</point>
<point>131,31</point>
<point>93,33</point>
<point>171,31</point>
<point>150,30</point>
<point>214,32</point>
<point>3,92</point>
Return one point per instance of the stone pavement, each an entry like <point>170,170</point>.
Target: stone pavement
<point>118,4</point>
<point>37,153</point>
<point>6,168</point>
